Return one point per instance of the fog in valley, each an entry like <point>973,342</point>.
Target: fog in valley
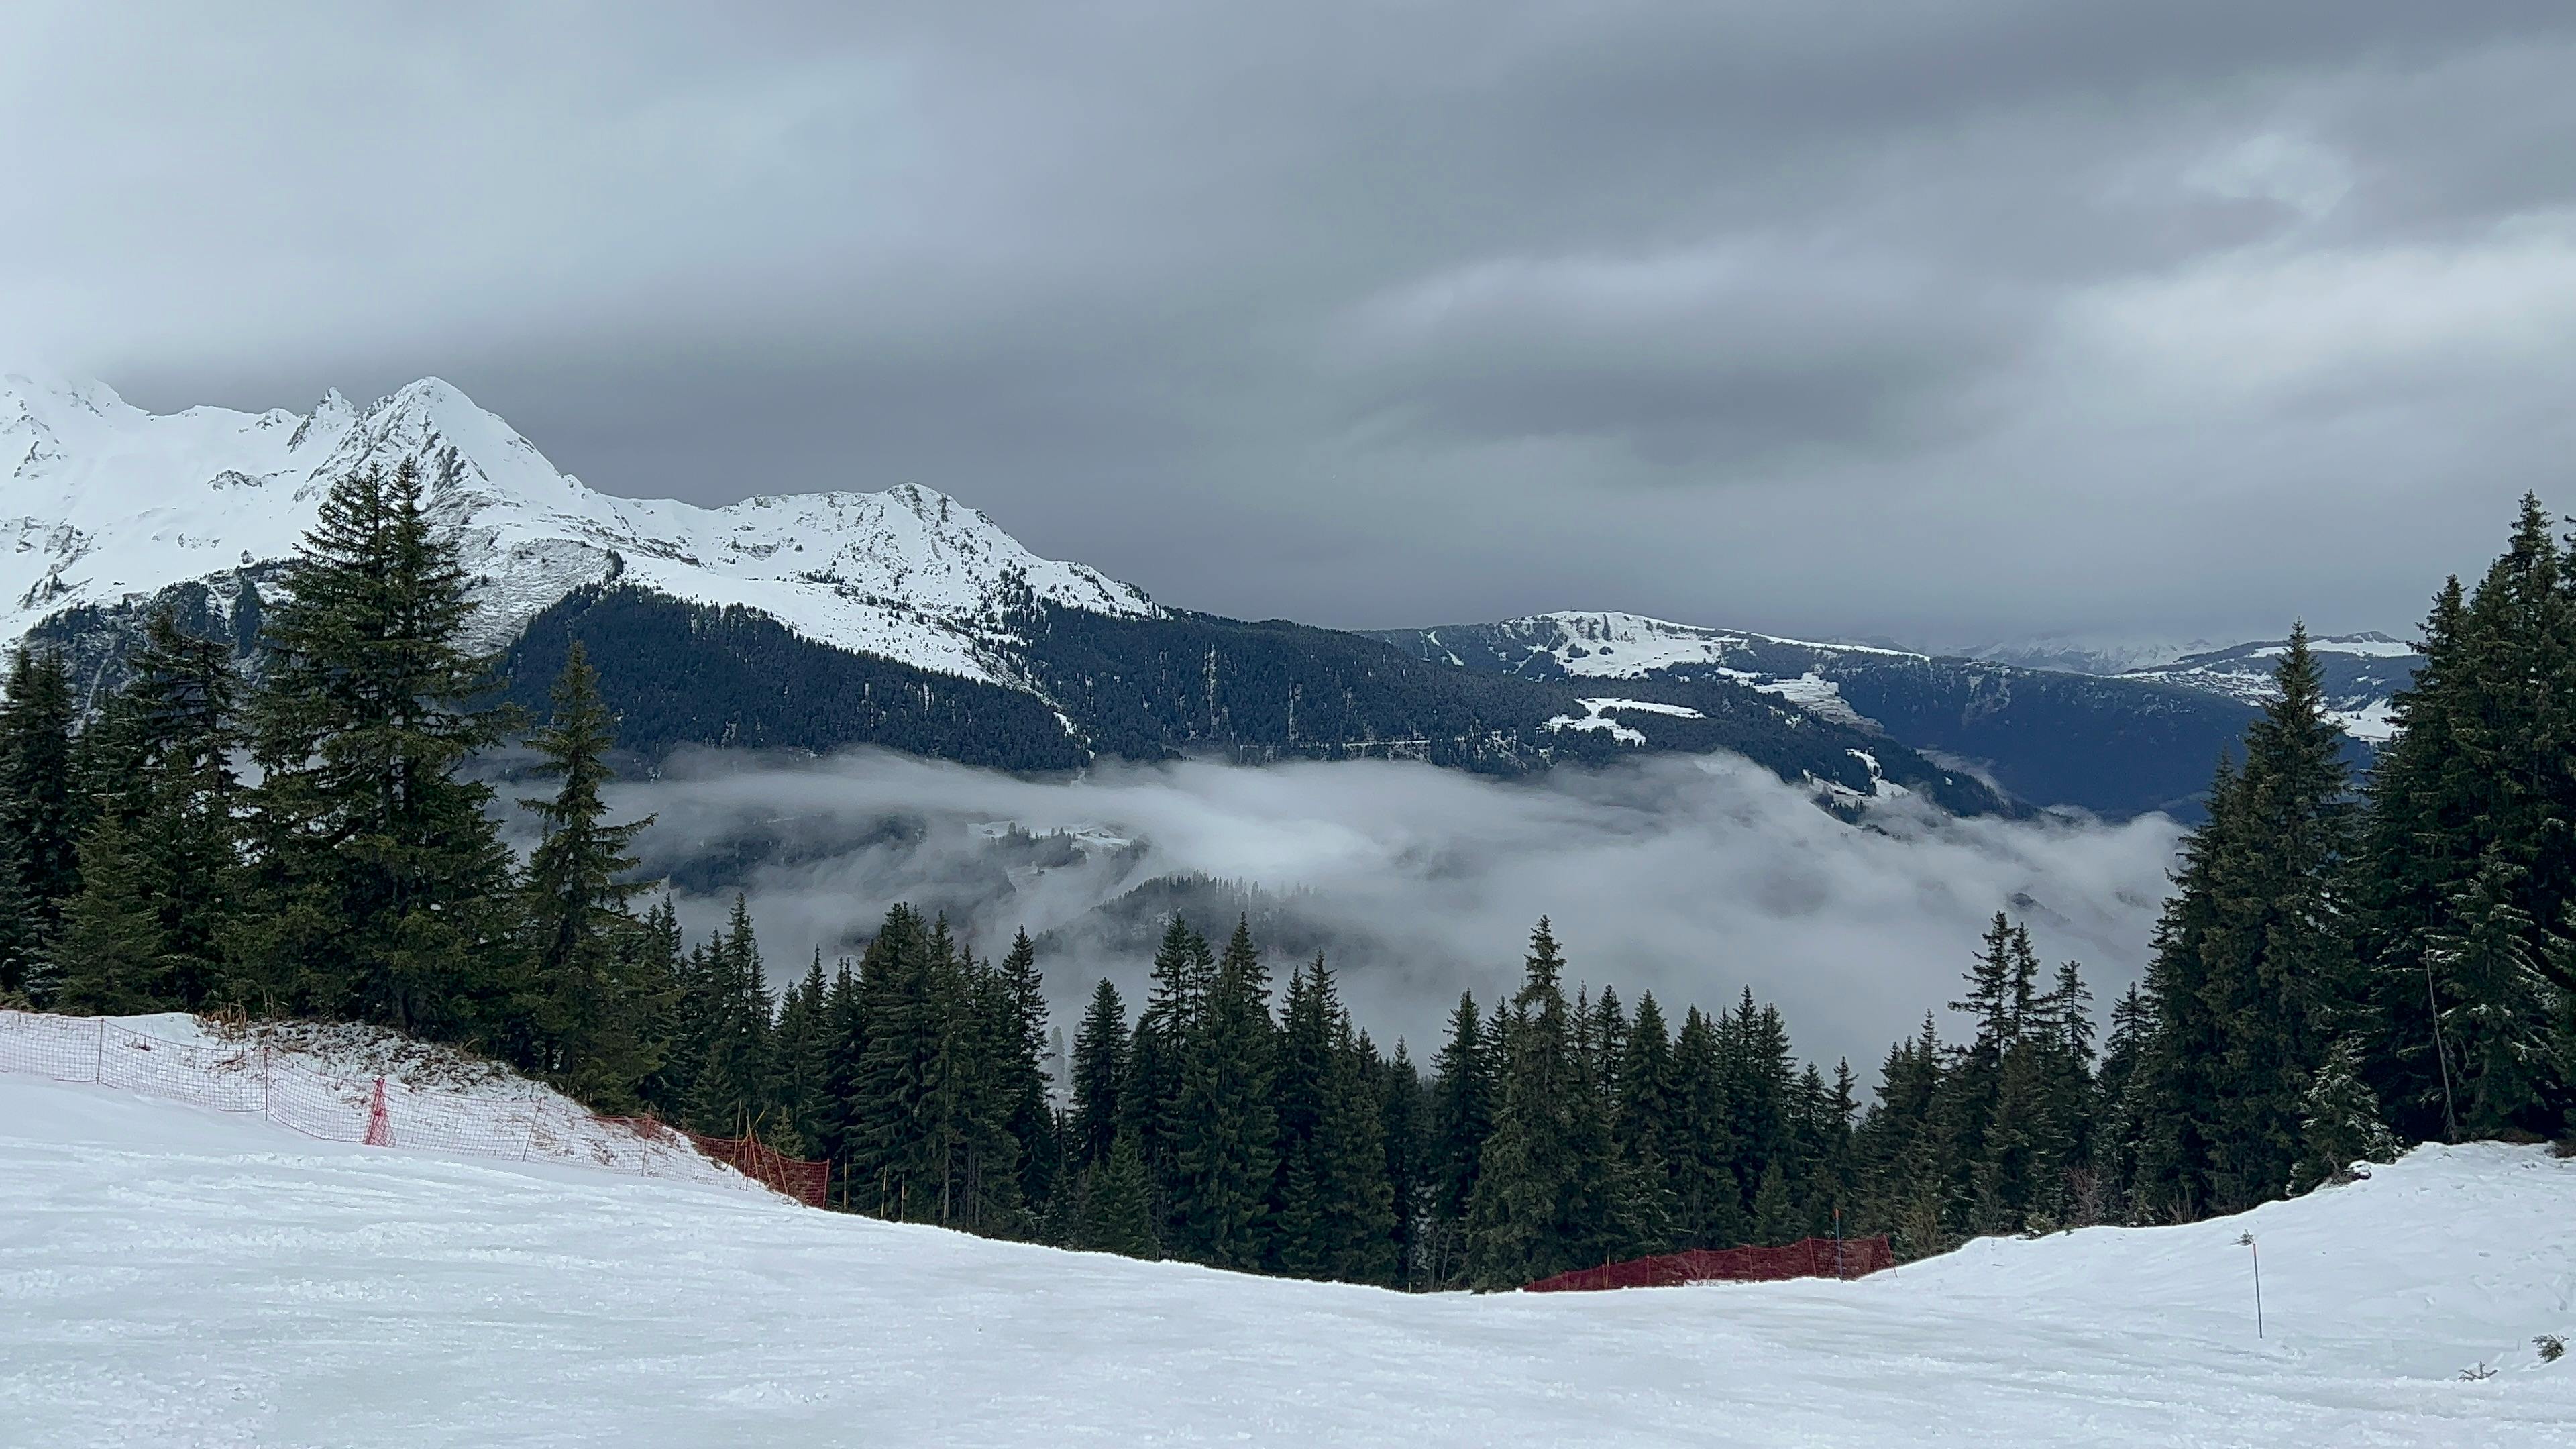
<point>1690,877</point>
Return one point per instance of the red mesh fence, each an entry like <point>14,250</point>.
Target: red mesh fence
<point>1810,1258</point>
<point>246,1077</point>
<point>804,1181</point>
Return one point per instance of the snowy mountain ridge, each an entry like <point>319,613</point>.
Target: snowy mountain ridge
<point>106,502</point>
<point>2361,672</point>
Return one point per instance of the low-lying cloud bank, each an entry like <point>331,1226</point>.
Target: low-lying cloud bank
<point>1692,877</point>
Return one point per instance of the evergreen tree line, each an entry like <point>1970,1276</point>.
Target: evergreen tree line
<point>307,842</point>
<point>2346,966</point>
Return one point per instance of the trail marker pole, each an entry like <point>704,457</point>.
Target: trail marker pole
<point>1838,1242</point>
<point>2247,1241</point>
<point>380,1127</point>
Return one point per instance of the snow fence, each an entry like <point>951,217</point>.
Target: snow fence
<point>1808,1258</point>
<point>248,1077</point>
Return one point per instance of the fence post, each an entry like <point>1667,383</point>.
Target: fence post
<point>380,1127</point>
<point>98,1053</point>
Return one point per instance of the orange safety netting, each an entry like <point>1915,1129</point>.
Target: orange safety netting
<point>1809,1258</point>
<point>246,1077</point>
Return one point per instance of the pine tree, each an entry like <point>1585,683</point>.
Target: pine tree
<point>2174,1093</point>
<point>1463,1088</point>
<point>380,874</point>
<point>2500,1015</point>
<point>731,1093</point>
<point>988,1057</point>
<point>800,1051</point>
<point>2339,1121</point>
<point>1349,1151</point>
<point>1542,1194</point>
<point>177,793</point>
<point>41,813</point>
<point>1174,1016</point>
<point>1708,1194</point>
<point>2279,953</point>
<point>587,1024</point>
<point>1648,1128</point>
<point>21,942</point>
<point>898,1151</point>
<point>1099,1074</point>
<point>1221,1126</point>
<point>2119,1130</point>
<point>106,956</point>
<point>1402,1117</point>
<point>658,964</point>
<point>844,1033</point>
<point>1029,1115</point>
<point>2474,781</point>
<point>1775,1215</point>
<point>1117,1211</point>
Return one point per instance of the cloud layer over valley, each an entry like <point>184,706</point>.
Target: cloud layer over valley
<point>1693,877</point>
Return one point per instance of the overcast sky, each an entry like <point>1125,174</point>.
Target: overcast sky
<point>1934,320</point>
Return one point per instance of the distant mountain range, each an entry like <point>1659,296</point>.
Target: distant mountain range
<point>907,619</point>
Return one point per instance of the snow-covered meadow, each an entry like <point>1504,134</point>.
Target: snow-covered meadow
<point>171,1275</point>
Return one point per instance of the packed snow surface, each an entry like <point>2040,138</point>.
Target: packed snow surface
<point>101,501</point>
<point>174,1276</point>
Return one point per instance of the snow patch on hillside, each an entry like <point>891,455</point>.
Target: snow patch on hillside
<point>1626,646</point>
<point>2361,672</point>
<point>1597,716</point>
<point>101,502</point>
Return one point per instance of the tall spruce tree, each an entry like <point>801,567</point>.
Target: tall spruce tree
<point>1221,1124</point>
<point>1709,1193</point>
<point>1029,1115</point>
<point>731,1092</point>
<point>106,956</point>
<point>2474,809</point>
<point>42,815</point>
<point>2279,957</point>
<point>1099,1075</point>
<point>1173,1018</point>
<point>1543,1190</point>
<point>588,1023</point>
<point>380,874</point>
<point>181,798</point>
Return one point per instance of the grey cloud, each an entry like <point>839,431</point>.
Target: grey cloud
<point>1134,278</point>
<point>1694,879</point>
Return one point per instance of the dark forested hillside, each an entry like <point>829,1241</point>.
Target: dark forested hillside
<point>680,674</point>
<point>2118,747</point>
<point>1149,689</point>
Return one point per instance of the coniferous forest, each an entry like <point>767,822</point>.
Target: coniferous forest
<point>2347,964</point>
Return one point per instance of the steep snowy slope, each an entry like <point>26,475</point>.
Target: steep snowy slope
<point>169,1276</point>
<point>100,500</point>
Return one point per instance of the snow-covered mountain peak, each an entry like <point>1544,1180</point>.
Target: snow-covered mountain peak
<point>106,502</point>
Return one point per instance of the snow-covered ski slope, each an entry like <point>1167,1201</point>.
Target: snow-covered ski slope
<point>101,502</point>
<point>174,1276</point>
